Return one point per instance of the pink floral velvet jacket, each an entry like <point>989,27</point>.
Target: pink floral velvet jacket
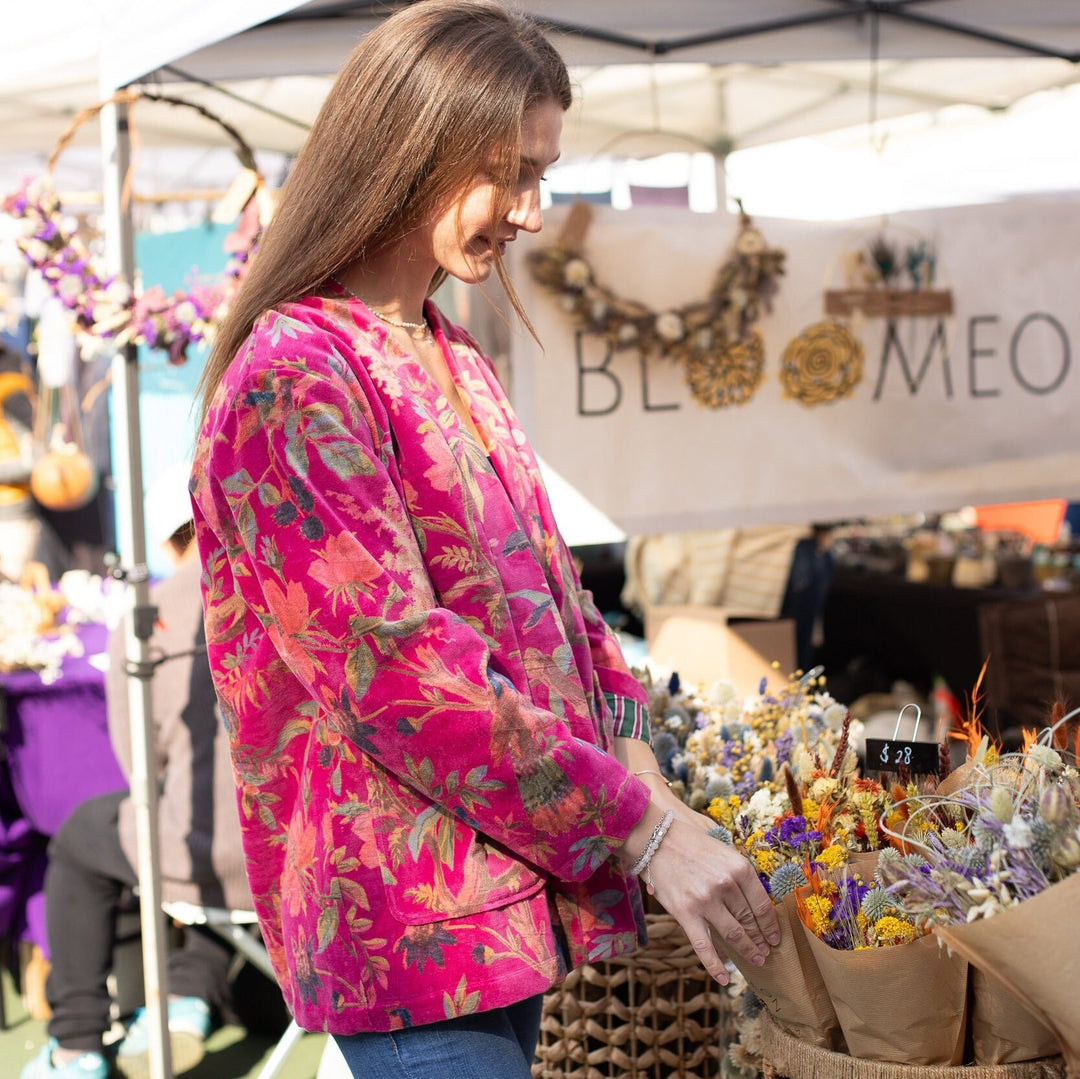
<point>420,697</point>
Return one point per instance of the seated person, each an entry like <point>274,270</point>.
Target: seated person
<point>92,859</point>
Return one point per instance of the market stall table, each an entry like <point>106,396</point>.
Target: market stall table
<point>57,753</point>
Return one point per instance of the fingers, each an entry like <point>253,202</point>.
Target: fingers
<point>762,912</point>
<point>720,903</point>
<point>701,940</point>
<point>738,938</point>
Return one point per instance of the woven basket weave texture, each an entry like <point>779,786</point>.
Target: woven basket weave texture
<point>653,1014</point>
<point>785,1055</point>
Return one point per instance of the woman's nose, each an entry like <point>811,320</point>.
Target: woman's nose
<point>525,211</point>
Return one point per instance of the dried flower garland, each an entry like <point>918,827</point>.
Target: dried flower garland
<point>714,340</point>
<point>106,307</point>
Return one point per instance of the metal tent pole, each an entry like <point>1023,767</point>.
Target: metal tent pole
<point>131,533</point>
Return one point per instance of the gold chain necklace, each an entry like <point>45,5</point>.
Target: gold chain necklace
<point>418,331</point>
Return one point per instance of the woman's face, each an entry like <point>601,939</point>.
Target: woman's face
<point>461,237</point>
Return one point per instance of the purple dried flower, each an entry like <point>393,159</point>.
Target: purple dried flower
<point>791,826</point>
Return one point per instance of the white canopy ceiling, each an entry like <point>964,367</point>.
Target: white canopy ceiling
<point>652,76</point>
<point>313,37</point>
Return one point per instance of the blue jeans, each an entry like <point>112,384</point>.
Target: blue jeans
<point>498,1044</point>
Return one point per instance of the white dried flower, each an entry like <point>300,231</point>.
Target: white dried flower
<point>37,251</point>
<point>721,692</point>
<point>118,292</point>
<point>627,332</point>
<point>739,298</point>
<point>69,287</point>
<point>1044,757</point>
<point>834,716</point>
<point>1018,834</point>
<point>576,273</point>
<point>750,242</point>
<point>669,327</point>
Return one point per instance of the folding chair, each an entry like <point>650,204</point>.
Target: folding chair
<point>235,927</point>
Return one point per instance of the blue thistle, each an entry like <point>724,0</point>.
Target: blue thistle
<point>785,880</point>
<point>877,903</point>
<point>1042,843</point>
<point>719,831</point>
<point>719,786</point>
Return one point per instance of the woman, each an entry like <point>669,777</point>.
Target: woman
<point>435,736</point>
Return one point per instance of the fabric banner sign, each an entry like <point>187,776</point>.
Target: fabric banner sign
<point>977,405</point>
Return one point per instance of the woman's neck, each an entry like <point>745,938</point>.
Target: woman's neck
<point>394,283</point>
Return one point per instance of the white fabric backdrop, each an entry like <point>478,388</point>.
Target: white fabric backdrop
<point>654,460</point>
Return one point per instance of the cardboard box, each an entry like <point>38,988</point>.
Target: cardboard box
<point>704,645</point>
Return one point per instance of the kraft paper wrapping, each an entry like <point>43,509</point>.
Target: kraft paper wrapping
<point>1033,950</point>
<point>790,985</point>
<point>1003,1031</point>
<point>906,1003</point>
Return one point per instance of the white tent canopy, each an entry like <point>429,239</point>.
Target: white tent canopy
<point>652,77</point>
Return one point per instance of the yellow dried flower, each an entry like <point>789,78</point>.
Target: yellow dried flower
<point>818,908</point>
<point>767,861</point>
<point>721,812</point>
<point>833,856</point>
<point>890,930</point>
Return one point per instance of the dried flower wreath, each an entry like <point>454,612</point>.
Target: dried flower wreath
<point>105,306</point>
<point>714,340</point>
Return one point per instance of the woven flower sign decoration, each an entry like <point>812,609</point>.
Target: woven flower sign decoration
<point>824,363</point>
<point>714,340</point>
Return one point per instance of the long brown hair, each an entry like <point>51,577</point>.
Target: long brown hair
<point>426,101</point>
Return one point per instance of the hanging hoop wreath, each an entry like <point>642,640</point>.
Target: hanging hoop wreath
<point>105,306</point>
<point>714,340</point>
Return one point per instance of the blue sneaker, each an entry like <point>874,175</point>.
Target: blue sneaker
<point>86,1066</point>
<point>189,1024</point>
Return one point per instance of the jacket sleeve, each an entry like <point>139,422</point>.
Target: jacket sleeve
<point>321,547</point>
<point>624,694</point>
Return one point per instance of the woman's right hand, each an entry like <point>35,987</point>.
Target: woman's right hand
<point>709,888</point>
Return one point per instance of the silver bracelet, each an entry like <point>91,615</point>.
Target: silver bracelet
<point>653,845</point>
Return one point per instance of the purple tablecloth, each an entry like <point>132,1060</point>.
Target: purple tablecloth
<point>58,754</point>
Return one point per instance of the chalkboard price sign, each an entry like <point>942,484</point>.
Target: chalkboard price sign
<point>920,758</point>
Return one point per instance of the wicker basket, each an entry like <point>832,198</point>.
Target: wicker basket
<point>653,1014</point>
<point>785,1055</point>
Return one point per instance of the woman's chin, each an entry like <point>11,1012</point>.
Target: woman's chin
<point>472,271</point>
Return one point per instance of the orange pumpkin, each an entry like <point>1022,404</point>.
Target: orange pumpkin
<point>64,478</point>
